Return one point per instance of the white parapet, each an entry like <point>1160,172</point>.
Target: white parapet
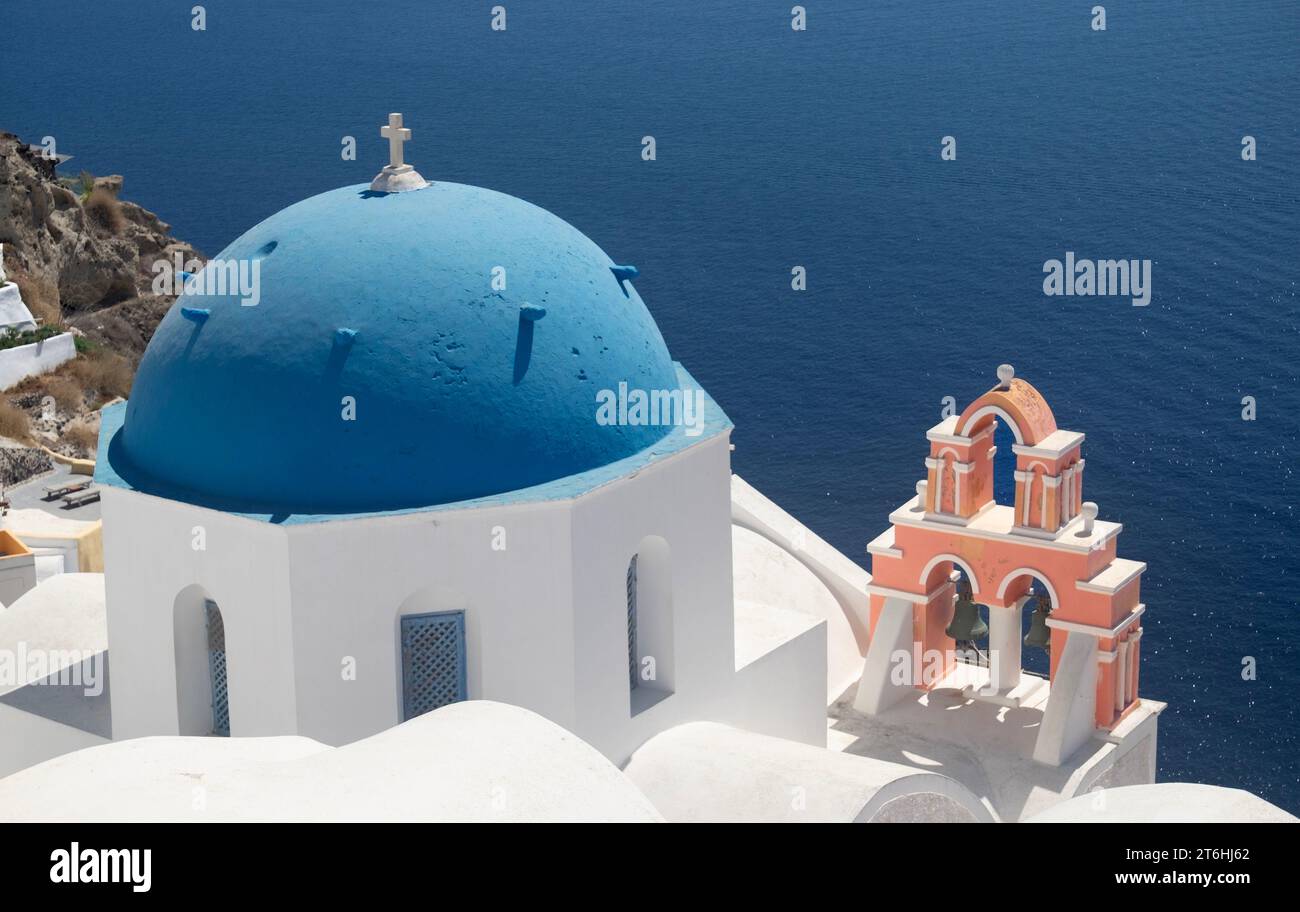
<point>1069,721</point>
<point>878,690</point>
<point>23,361</point>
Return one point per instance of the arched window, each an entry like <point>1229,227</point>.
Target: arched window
<point>202,682</point>
<point>216,628</point>
<point>650,623</point>
<point>1004,464</point>
<point>631,623</point>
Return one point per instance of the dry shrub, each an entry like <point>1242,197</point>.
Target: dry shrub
<point>13,421</point>
<point>82,433</point>
<point>104,209</point>
<point>41,297</point>
<point>67,393</point>
<point>103,375</point>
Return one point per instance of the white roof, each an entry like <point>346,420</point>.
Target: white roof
<point>706,772</point>
<point>1165,802</point>
<point>64,613</point>
<point>34,523</point>
<point>475,761</point>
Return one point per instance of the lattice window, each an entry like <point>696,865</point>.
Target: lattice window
<point>433,661</point>
<point>631,622</point>
<point>217,668</point>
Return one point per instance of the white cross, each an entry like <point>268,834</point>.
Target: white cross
<point>396,134</point>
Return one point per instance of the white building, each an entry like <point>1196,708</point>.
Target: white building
<point>417,472</point>
<point>19,362</point>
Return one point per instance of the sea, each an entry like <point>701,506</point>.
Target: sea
<point>821,148</point>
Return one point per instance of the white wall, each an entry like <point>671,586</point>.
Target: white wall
<point>150,558</point>
<point>53,556</point>
<point>23,361</point>
<point>546,618</point>
<point>312,612</point>
<point>17,576</point>
<point>686,501</point>
<point>352,581</point>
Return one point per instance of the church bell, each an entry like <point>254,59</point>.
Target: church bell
<point>1039,634</point>
<point>967,625</point>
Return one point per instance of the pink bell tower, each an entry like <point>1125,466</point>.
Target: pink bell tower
<point>1049,538</point>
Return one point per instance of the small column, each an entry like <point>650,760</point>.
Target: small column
<point>1004,646</point>
<point>933,485</point>
<point>1076,487</point>
<point>1132,668</point>
<point>1049,514</point>
<point>1023,489</point>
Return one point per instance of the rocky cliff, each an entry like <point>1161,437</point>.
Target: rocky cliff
<point>83,260</point>
<point>80,255</point>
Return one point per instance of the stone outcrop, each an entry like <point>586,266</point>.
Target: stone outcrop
<point>83,259</point>
<point>19,463</point>
<point>72,257</point>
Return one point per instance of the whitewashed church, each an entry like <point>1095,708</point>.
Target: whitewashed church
<point>374,522</point>
<point>389,486</point>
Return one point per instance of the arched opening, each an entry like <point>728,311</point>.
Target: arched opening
<point>1026,583</point>
<point>939,569</point>
<point>1004,464</point>
<point>969,627</point>
<point>202,684</point>
<point>650,623</point>
<point>431,636</point>
<point>967,624</point>
<point>981,417</point>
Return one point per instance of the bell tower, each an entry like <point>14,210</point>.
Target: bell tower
<point>952,549</point>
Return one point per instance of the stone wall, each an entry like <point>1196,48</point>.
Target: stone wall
<point>18,463</point>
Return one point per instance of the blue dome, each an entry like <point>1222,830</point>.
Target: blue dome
<point>460,390</point>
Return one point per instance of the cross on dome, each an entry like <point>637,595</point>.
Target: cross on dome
<point>396,134</point>
<point>397,176</point>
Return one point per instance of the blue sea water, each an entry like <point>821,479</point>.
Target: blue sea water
<point>821,148</point>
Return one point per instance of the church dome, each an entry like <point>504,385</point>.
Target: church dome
<point>379,366</point>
